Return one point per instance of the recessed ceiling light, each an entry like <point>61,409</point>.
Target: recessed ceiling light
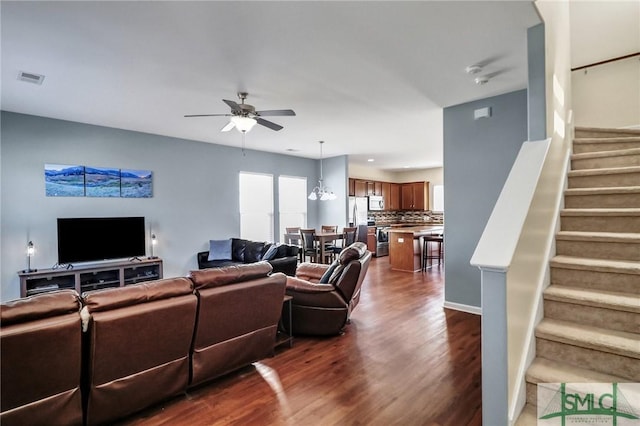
<point>371,160</point>
<point>481,80</point>
<point>292,150</point>
<point>406,167</point>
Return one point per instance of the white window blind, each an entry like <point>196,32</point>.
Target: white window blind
<point>292,202</point>
<point>256,206</point>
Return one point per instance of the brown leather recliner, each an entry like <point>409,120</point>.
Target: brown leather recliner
<point>238,315</point>
<point>325,295</point>
<point>40,360</point>
<point>139,338</point>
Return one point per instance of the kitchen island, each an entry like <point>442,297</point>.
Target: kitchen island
<point>405,250</point>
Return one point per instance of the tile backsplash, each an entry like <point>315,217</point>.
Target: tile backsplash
<point>388,217</point>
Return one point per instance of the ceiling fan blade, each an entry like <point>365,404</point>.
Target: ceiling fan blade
<point>208,115</point>
<point>234,105</point>
<point>230,125</point>
<point>269,124</point>
<point>275,112</point>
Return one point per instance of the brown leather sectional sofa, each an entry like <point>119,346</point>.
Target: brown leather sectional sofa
<point>142,343</point>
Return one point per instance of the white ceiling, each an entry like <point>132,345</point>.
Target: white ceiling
<point>369,78</point>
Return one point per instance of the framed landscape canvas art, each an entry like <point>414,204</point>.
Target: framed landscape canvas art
<point>102,182</point>
<point>136,183</point>
<point>63,180</point>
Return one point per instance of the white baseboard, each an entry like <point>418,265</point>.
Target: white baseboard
<point>464,308</point>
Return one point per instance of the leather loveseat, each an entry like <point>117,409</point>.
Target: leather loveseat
<point>143,343</point>
<point>282,257</point>
<point>325,295</point>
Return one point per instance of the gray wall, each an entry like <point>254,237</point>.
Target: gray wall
<point>536,93</point>
<point>478,155</point>
<point>195,189</point>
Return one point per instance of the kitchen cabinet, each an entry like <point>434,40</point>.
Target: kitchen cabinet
<point>391,195</point>
<point>374,188</point>
<point>360,188</point>
<point>415,196</point>
<point>371,239</point>
<point>352,187</point>
<point>394,197</point>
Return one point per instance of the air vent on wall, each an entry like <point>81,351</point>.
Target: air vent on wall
<point>30,77</point>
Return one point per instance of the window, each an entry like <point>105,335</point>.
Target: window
<point>256,206</point>
<point>438,198</point>
<point>292,202</point>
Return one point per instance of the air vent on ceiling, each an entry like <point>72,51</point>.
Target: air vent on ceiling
<point>30,77</point>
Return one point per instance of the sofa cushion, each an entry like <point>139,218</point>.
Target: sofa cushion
<point>219,250</point>
<point>39,306</point>
<point>253,251</point>
<point>215,277</point>
<point>353,252</point>
<point>283,251</point>
<point>327,274</point>
<point>118,297</point>
<point>237,249</point>
<point>271,252</point>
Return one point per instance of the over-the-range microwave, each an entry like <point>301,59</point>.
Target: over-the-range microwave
<point>376,202</point>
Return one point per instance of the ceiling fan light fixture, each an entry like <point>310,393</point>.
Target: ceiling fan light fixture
<point>243,124</point>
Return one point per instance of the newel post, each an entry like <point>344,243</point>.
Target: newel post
<point>495,381</point>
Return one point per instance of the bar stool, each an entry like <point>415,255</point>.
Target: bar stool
<point>427,252</point>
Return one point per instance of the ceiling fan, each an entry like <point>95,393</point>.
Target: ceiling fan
<point>244,116</point>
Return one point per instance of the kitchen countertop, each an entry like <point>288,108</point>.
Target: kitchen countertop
<point>419,230</point>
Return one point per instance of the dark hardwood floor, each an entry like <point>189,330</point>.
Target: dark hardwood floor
<point>403,360</point>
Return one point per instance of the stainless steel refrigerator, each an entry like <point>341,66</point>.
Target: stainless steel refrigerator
<point>358,211</point>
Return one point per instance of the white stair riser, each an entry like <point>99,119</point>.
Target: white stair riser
<point>591,315</point>
<point>605,180</point>
<point>599,250</point>
<point>606,162</point>
<point>596,280</point>
<point>601,224</point>
<point>594,201</point>
<point>582,148</point>
<point>602,362</point>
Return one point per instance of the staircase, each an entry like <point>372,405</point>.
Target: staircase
<point>591,326</point>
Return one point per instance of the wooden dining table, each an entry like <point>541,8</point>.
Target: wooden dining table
<point>321,237</point>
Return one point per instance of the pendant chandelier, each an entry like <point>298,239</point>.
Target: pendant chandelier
<point>321,192</point>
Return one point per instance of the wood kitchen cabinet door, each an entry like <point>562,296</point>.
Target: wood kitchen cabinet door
<point>352,187</point>
<point>377,188</point>
<point>394,196</point>
<point>386,195</point>
<point>360,188</point>
<point>415,196</point>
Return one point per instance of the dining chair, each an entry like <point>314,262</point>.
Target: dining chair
<point>330,246</point>
<point>292,237</point>
<point>309,247</point>
<point>348,238</point>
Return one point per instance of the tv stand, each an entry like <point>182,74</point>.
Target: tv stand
<point>90,277</point>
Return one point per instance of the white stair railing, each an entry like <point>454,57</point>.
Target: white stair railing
<point>493,255</point>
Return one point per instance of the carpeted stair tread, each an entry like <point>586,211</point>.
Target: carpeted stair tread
<point>528,416</point>
<point>604,131</point>
<point>599,265</point>
<point>596,338</point>
<point>598,298</point>
<point>618,237</point>
<point>544,370</point>
<point>616,212</point>
<point>625,190</point>
<point>613,139</point>
<point>606,154</point>
<point>604,171</point>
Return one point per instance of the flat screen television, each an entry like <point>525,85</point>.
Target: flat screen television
<point>100,238</point>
